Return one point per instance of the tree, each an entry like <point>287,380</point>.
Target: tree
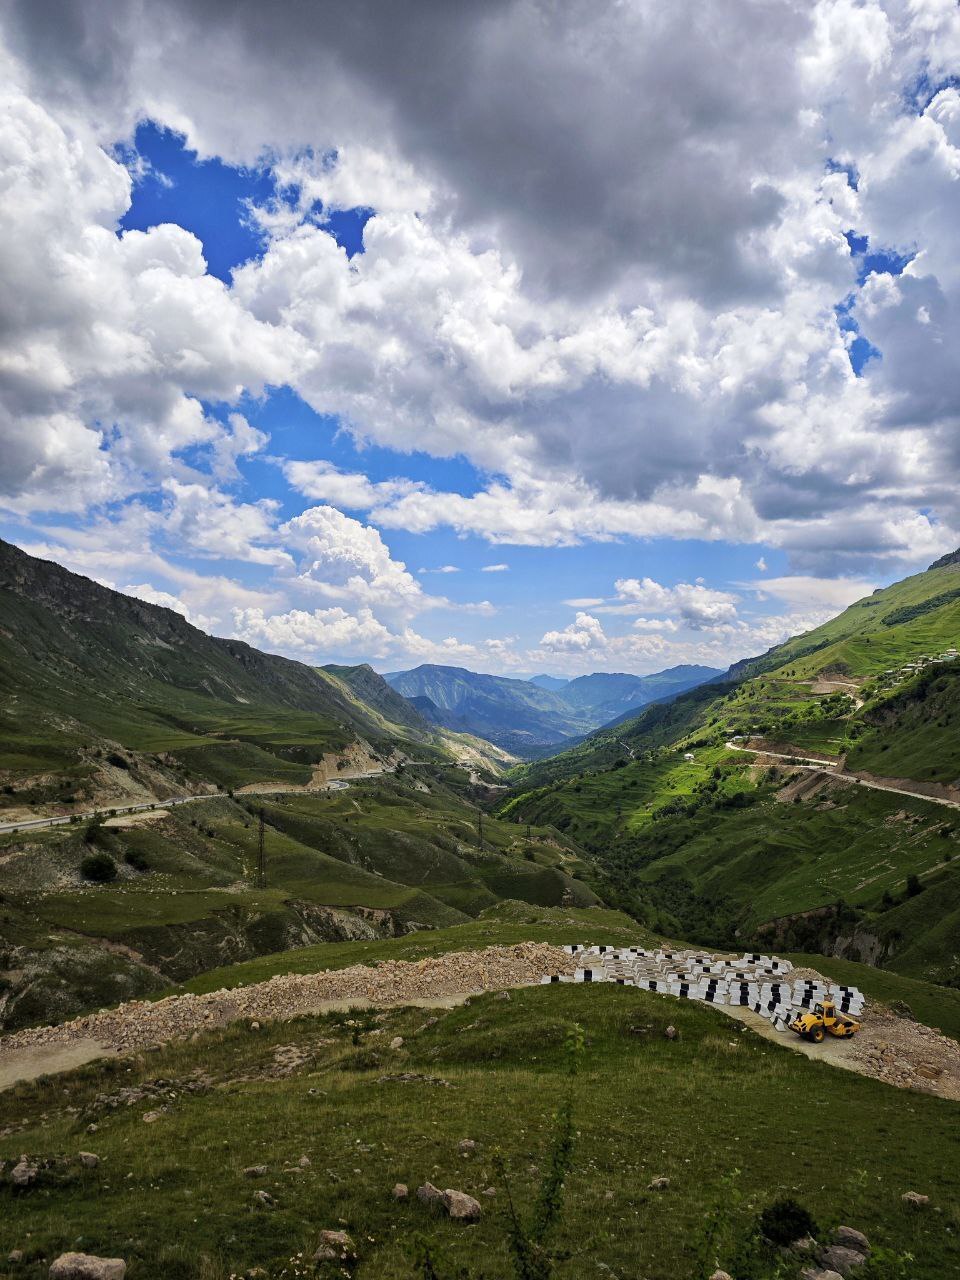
<point>98,867</point>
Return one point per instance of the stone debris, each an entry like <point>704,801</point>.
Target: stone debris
<point>335,1246</point>
<point>915,1199</point>
<point>142,1024</point>
<point>89,1160</point>
<point>84,1266</point>
<point>25,1172</point>
<point>850,1238</point>
<point>460,1206</point>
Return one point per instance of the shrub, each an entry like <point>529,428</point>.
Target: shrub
<point>785,1221</point>
<point>117,760</point>
<point>134,858</point>
<point>99,867</point>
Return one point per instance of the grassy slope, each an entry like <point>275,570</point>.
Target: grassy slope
<point>383,845</point>
<point>172,1200</point>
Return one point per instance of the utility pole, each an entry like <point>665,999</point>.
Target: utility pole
<point>261,873</point>
<point>480,829</point>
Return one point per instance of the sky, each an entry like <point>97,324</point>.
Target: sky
<point>517,336</point>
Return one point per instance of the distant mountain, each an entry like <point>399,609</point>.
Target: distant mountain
<point>548,682</point>
<point>524,716</point>
<point>607,695</point>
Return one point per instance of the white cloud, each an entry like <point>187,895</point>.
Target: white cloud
<point>696,606</point>
<point>494,568</point>
<point>443,568</point>
<point>585,632</point>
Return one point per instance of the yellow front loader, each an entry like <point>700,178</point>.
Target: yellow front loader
<point>822,1018</point>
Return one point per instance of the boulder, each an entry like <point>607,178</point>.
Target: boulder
<point>264,1199</point>
<point>429,1194</point>
<point>401,1191</point>
<point>84,1266</point>
<point>25,1172</point>
<point>721,1275</point>
<point>89,1160</point>
<point>255,1171</point>
<point>915,1199</point>
<point>838,1258</point>
<point>460,1206</point>
<point>335,1246</point>
<point>151,1117</point>
<point>396,1042</point>
<point>850,1238</point>
<point>466,1146</point>
<point>15,1255</point>
<point>658,1184</point>
<point>818,1273</point>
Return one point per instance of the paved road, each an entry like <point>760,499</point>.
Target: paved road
<point>820,766</point>
<point>33,823</point>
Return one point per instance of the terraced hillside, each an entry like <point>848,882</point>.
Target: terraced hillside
<point>702,817</point>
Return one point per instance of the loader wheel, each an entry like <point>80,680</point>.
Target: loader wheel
<point>816,1035</point>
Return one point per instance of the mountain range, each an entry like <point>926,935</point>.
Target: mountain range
<point>532,717</point>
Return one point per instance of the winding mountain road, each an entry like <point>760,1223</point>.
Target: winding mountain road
<point>821,766</point>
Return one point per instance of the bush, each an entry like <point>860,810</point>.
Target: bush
<point>913,885</point>
<point>134,858</point>
<point>117,760</point>
<point>785,1221</point>
<point>99,867</point>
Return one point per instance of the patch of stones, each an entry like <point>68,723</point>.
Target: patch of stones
<point>754,981</point>
<point>143,1024</point>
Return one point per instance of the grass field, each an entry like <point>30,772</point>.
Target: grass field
<point>733,1121</point>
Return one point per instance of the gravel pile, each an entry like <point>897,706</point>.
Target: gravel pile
<point>140,1024</point>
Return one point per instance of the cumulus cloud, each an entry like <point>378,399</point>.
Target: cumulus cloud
<point>696,606</point>
<point>585,632</point>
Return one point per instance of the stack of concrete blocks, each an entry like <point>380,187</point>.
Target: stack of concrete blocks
<point>753,981</point>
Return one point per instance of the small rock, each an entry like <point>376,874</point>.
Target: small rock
<point>466,1146</point>
<point>850,1238</point>
<point>401,1191</point>
<point>255,1171</point>
<point>92,1128</point>
<point>335,1245</point>
<point>721,1275</point>
<point>264,1198</point>
<point>915,1199</point>
<point>304,1162</point>
<point>254,1026</point>
<point>671,1033</point>
<point>658,1184</point>
<point>490,1191</point>
<point>396,1042</point>
<point>429,1194</point>
<point>838,1258</point>
<point>150,1117</point>
<point>15,1255</point>
<point>25,1172</point>
<point>608,1195</point>
<point>84,1266</point>
<point>89,1160</point>
<point>818,1273</point>
<point>460,1206</point>
<point>504,995</point>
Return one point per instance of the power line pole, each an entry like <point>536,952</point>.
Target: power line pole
<point>261,872</point>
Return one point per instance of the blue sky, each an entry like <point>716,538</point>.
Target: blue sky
<point>335,371</point>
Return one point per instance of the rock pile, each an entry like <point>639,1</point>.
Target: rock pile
<point>140,1024</point>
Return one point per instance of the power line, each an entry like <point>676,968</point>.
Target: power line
<point>261,868</point>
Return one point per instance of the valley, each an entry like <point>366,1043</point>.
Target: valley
<point>805,803</point>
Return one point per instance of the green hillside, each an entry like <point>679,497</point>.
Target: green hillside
<point>698,839</point>
<point>725,1116</point>
<point>378,859</point>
